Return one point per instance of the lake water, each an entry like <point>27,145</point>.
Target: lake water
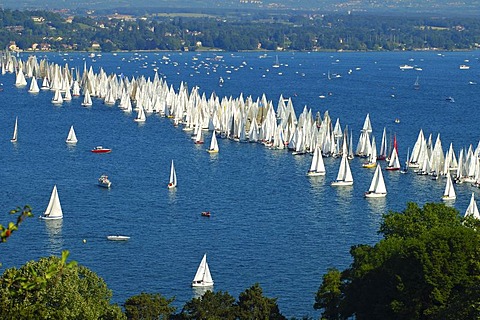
<point>270,223</point>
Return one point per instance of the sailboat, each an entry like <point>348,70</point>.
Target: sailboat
<point>394,163</point>
<point>87,99</point>
<point>472,209</point>
<point>213,144</point>
<point>344,177</point>
<point>173,177</point>
<point>405,168</point>
<point>72,137</point>
<point>317,168</point>
<point>198,136</point>
<point>449,193</point>
<point>377,187</point>
<point>34,86</point>
<point>203,278</point>
<point>276,64</point>
<point>372,158</point>
<point>54,209</point>
<point>416,85</point>
<point>141,117</point>
<point>15,131</point>
<point>57,98</point>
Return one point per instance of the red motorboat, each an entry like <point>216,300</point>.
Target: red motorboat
<point>205,213</point>
<point>100,149</point>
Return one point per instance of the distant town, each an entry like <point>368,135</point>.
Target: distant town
<point>62,30</point>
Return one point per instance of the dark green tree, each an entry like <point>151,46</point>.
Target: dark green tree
<point>253,305</point>
<point>149,306</point>
<point>52,288</point>
<point>425,267</point>
<point>211,305</point>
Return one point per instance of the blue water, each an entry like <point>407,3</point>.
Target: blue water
<point>270,223</point>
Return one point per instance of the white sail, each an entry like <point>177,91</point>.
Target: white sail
<point>377,187</point>
<point>141,117</point>
<point>87,99</point>
<point>173,177</point>
<point>15,131</point>
<point>203,278</point>
<point>394,163</point>
<point>213,144</point>
<point>34,86</point>
<point>54,209</point>
<point>20,80</point>
<point>344,177</point>
<point>449,193</point>
<point>72,137</point>
<point>317,167</point>
<point>45,84</point>
<point>472,209</point>
<point>57,98</point>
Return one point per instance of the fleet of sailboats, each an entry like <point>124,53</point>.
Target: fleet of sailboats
<point>280,129</point>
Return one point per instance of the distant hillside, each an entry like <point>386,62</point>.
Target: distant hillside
<point>446,7</point>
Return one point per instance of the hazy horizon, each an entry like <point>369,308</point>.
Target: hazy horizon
<point>342,6</point>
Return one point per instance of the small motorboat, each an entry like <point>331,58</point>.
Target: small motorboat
<point>449,99</point>
<point>205,213</point>
<point>100,149</point>
<point>103,181</point>
<point>118,238</point>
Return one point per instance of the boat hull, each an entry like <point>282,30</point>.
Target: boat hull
<point>447,198</point>
<point>118,238</point>
<point>374,195</point>
<point>101,150</point>
<point>315,173</point>
<point>51,218</point>
<point>202,284</point>
<point>341,183</point>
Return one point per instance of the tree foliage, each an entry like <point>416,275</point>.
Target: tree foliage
<point>52,288</point>
<point>253,305</point>
<point>148,306</point>
<point>426,267</point>
<point>234,32</point>
<point>211,305</point>
<point>6,232</point>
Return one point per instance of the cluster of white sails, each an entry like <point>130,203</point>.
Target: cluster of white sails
<point>245,119</point>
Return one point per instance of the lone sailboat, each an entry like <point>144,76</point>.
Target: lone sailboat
<point>54,209</point>
<point>377,187</point>
<point>203,278</point>
<point>173,177</point>
<point>344,177</point>
<point>72,137</point>
<point>15,131</point>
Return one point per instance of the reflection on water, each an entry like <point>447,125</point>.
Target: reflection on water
<point>172,195</point>
<point>377,205</point>
<point>54,233</point>
<point>200,291</point>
